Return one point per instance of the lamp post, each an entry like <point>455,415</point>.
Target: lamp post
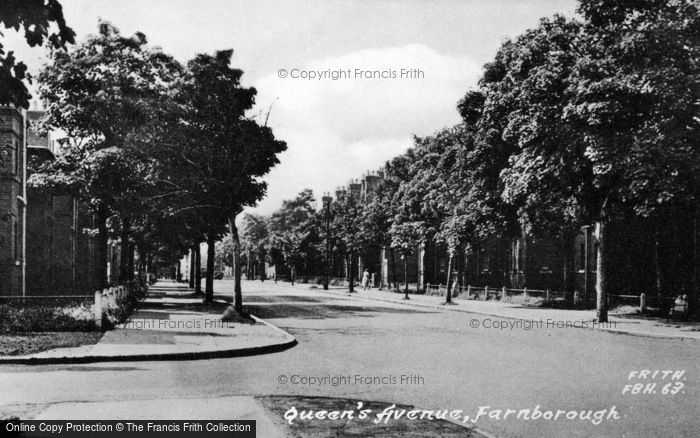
<point>327,209</point>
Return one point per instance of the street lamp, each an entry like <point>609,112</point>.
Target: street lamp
<point>327,209</point>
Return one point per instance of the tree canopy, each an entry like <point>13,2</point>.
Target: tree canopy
<point>34,18</point>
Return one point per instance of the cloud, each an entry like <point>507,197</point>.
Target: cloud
<point>338,129</point>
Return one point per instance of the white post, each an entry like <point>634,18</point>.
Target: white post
<point>98,309</point>
<point>486,293</point>
<point>547,299</point>
<point>504,294</point>
<point>642,302</point>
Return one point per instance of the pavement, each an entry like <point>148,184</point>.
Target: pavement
<point>630,324</point>
<point>171,324</point>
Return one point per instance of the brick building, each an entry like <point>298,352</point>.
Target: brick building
<point>12,201</point>
<point>54,256</point>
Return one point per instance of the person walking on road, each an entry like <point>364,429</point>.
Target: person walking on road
<point>365,280</point>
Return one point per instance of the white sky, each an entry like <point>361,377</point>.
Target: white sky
<point>335,130</point>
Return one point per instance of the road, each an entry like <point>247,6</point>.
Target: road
<point>446,362</point>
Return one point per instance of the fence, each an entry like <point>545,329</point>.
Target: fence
<point>642,301</point>
<point>485,292</point>
<point>310,279</point>
<point>108,299</point>
<point>470,292</point>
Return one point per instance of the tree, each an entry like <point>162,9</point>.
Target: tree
<point>221,154</point>
<point>224,251</point>
<point>107,95</point>
<point>383,210</point>
<point>35,18</point>
<point>430,197</point>
<point>547,177</point>
<point>376,220</point>
<point>598,117</point>
<point>347,229</point>
<point>161,240</point>
<point>255,233</point>
<point>443,186</point>
<point>404,238</point>
<point>636,100</point>
<point>294,232</point>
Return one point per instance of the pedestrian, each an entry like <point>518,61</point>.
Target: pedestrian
<point>679,307</point>
<point>365,280</point>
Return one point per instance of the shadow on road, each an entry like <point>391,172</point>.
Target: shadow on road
<point>323,311</point>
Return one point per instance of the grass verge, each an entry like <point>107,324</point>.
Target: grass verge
<point>29,343</point>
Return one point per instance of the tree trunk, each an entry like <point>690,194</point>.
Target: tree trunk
<point>393,269</point>
<point>466,272</point>
<point>405,275</point>
<point>248,265</point>
<point>292,273</point>
<point>209,282</point>
<point>262,268</point>
<point>192,263</point>
<point>139,266</point>
<point>460,267</point>
<point>351,271</point>
<point>694,288</point>
<point>124,253</point>
<point>448,294</point>
<point>197,269</point>
<point>237,293</point>
<point>102,251</point>
<point>601,267</point>
<point>569,251</point>
<point>657,259</point>
<point>132,261</point>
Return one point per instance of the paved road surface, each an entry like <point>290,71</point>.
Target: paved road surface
<point>454,366</point>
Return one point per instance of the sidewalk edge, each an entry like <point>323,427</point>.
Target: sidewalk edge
<point>191,355</point>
